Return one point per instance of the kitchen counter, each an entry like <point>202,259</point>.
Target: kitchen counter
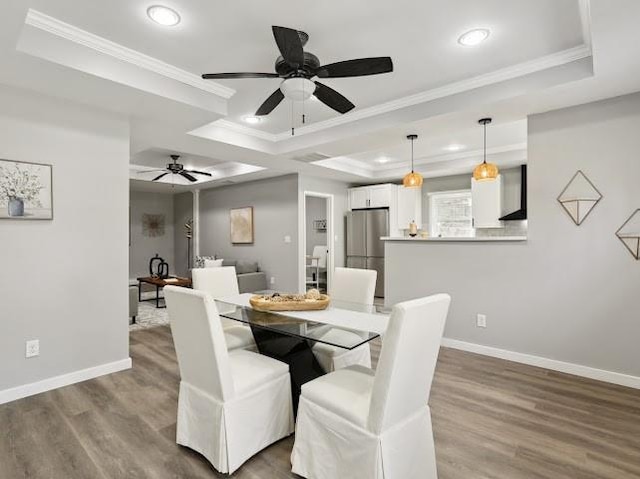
<point>488,239</point>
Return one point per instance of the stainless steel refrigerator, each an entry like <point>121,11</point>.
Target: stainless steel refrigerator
<point>365,250</point>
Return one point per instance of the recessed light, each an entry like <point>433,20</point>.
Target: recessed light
<point>474,37</point>
<point>252,120</point>
<point>382,160</point>
<point>164,16</point>
<point>454,147</point>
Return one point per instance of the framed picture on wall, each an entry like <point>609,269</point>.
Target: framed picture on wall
<point>241,222</point>
<point>26,191</point>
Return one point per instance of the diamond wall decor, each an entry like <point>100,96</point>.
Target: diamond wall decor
<point>629,234</point>
<point>579,197</point>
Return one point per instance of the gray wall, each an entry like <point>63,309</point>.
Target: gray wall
<point>275,215</point>
<point>569,293</point>
<point>64,281</point>
<point>182,212</point>
<point>143,248</point>
<point>316,209</point>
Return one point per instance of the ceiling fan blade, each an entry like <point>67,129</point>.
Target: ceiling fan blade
<point>356,68</point>
<point>270,103</point>
<point>141,172</point>
<point>290,45</point>
<point>187,176</point>
<point>226,76</point>
<point>198,172</point>
<point>160,176</point>
<point>332,98</point>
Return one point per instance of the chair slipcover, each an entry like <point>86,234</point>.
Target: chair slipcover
<point>232,404</point>
<point>354,423</point>
<point>354,286</point>
<point>219,283</point>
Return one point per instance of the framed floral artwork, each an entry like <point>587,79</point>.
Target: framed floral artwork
<point>26,191</point>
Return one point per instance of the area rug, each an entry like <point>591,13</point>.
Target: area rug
<point>149,316</point>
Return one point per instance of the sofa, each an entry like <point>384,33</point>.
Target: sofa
<point>250,278</point>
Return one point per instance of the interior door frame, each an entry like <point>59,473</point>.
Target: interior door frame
<point>302,280</point>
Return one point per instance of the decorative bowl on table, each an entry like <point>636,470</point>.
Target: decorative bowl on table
<point>313,300</point>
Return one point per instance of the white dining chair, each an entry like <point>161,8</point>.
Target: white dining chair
<point>356,423</point>
<point>355,286</point>
<point>222,283</point>
<point>231,404</point>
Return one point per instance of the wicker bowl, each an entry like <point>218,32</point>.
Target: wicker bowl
<point>264,303</point>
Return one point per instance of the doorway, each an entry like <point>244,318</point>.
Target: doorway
<point>318,248</point>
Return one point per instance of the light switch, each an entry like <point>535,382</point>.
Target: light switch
<point>287,239</point>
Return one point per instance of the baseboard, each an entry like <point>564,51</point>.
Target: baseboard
<point>552,364</point>
<point>25,390</point>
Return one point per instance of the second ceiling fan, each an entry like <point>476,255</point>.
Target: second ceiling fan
<point>297,67</point>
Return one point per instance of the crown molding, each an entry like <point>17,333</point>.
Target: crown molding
<point>539,64</point>
<point>69,32</point>
<point>509,73</point>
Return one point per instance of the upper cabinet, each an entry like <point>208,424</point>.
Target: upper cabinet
<point>358,198</point>
<point>486,203</point>
<point>376,196</point>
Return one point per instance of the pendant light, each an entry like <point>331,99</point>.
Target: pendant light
<point>485,171</point>
<point>413,179</point>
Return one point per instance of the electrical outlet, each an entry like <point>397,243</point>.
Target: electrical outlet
<point>481,321</point>
<point>32,348</point>
<point>273,280</point>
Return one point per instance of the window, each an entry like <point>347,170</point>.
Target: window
<point>450,214</point>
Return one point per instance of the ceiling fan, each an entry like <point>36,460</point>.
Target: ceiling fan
<point>297,67</point>
<point>176,168</point>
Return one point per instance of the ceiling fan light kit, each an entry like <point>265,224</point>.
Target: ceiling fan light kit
<point>297,89</point>
<point>297,68</point>
<point>485,171</point>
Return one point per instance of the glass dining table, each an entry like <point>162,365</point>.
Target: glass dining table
<point>289,336</point>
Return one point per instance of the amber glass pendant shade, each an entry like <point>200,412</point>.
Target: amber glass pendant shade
<point>485,171</point>
<point>413,179</point>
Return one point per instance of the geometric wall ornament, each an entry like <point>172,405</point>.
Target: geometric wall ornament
<point>579,197</point>
<point>629,234</point>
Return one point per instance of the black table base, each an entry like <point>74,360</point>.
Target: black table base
<point>296,352</point>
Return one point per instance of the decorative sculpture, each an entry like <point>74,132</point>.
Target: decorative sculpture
<point>158,267</point>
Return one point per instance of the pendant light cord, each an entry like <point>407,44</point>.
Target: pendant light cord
<point>485,144</point>
<point>411,155</point>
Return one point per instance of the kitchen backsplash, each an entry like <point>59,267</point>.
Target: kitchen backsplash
<point>511,228</point>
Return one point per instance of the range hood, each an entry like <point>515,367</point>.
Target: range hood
<point>520,214</point>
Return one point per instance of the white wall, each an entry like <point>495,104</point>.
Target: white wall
<point>569,293</point>
<point>143,248</point>
<point>65,281</point>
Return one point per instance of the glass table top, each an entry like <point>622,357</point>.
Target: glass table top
<point>311,325</point>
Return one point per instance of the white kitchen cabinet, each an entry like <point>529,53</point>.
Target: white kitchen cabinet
<point>358,198</point>
<point>486,203</point>
<point>376,196</point>
<point>409,207</point>
<point>380,196</point>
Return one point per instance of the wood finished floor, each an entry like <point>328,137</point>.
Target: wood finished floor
<point>492,419</point>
